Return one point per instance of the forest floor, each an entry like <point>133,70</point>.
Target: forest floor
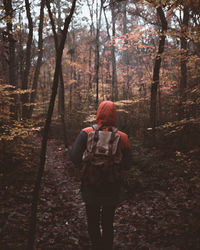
<point>162,209</point>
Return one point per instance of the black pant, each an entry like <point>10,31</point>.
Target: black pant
<point>100,216</point>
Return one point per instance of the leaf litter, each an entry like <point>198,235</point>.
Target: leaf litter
<point>162,213</point>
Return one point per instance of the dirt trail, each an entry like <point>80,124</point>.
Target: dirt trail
<point>61,209</point>
<point>163,215</point>
<point>62,218</point>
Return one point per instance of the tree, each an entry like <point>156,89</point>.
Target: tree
<point>11,51</point>
<point>126,92</point>
<point>97,44</point>
<point>61,94</point>
<point>157,64</point>
<point>90,48</point>
<point>39,59</point>
<point>59,54</point>
<point>27,66</point>
<point>114,70</point>
<point>183,80</point>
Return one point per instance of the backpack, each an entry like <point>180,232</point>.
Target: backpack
<point>102,157</point>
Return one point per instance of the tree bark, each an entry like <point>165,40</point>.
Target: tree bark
<point>62,108</point>
<point>39,60</point>
<point>157,64</point>
<point>59,54</point>
<point>183,80</point>
<point>90,48</point>
<point>98,24</point>
<point>12,60</point>
<point>27,61</point>
<point>114,71</point>
<point>73,75</point>
<point>108,73</point>
<point>61,94</point>
<point>125,53</point>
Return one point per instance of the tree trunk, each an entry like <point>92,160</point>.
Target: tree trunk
<point>27,61</point>
<point>96,66</point>
<point>90,66</point>
<point>62,108</point>
<point>61,95</point>
<point>108,74</point>
<point>39,60</point>
<point>159,105</point>
<point>156,71</point>
<point>12,62</point>
<point>114,71</point>
<point>59,53</point>
<point>183,80</point>
<point>90,48</point>
<point>61,89</point>
<point>125,53</point>
<point>73,75</point>
<point>21,51</point>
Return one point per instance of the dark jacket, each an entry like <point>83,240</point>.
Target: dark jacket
<point>106,117</point>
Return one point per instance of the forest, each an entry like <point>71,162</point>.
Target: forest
<point>58,61</point>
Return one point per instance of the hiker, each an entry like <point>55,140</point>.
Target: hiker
<point>101,201</point>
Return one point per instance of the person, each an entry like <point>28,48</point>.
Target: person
<point>101,205</point>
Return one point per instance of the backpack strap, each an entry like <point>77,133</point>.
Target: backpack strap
<point>96,127</point>
<point>114,131</point>
<point>111,129</point>
<point>96,137</point>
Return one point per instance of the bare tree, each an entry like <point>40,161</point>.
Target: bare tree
<point>39,59</point>
<point>61,96</point>
<point>27,61</point>
<point>114,70</point>
<point>59,54</point>
<point>157,65</point>
<point>97,59</point>
<point>11,60</point>
<point>183,80</point>
<point>126,92</point>
<point>90,48</point>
